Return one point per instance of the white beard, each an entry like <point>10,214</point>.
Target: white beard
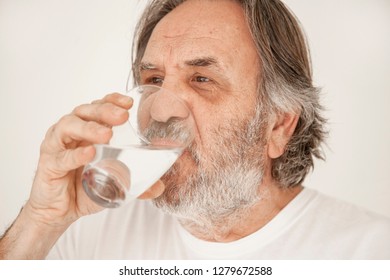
<point>217,197</point>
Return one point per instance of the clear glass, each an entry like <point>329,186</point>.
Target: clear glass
<point>141,150</point>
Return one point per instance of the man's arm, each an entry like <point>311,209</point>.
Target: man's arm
<point>27,239</point>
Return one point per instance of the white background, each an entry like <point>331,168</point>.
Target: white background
<point>56,54</point>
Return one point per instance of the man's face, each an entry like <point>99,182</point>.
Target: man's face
<point>203,51</point>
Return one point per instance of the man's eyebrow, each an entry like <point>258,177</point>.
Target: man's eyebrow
<point>196,62</point>
<point>146,66</point>
<point>202,62</point>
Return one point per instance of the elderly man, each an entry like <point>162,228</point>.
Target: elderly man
<point>243,68</point>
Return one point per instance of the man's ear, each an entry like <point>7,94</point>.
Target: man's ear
<point>283,128</point>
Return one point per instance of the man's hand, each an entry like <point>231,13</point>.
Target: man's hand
<point>57,198</point>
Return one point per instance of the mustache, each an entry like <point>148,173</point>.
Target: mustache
<point>175,130</point>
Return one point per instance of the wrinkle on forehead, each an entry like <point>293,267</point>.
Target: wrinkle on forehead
<point>180,53</point>
<point>203,19</point>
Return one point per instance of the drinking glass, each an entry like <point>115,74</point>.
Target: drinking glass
<point>141,150</point>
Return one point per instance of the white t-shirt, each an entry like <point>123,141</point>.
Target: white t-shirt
<point>311,226</point>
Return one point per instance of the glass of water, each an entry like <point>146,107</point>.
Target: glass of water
<point>141,150</point>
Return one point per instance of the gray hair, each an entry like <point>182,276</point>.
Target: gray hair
<point>285,77</point>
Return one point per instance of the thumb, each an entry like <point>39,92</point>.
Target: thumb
<point>154,191</point>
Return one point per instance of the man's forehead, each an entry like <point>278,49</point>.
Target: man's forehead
<point>198,32</point>
<point>202,18</point>
<point>184,52</point>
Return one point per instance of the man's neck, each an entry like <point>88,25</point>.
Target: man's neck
<point>243,223</point>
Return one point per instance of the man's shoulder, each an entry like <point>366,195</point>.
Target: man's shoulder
<point>344,224</point>
<point>337,211</point>
<point>343,211</point>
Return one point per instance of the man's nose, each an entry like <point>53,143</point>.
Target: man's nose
<point>167,106</point>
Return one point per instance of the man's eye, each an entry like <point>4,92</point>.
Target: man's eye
<point>200,79</point>
<point>155,80</point>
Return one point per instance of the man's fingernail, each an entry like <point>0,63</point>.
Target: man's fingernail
<point>125,99</point>
<point>119,111</point>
